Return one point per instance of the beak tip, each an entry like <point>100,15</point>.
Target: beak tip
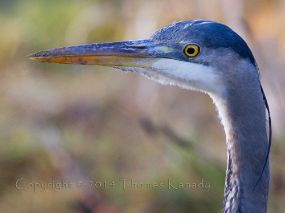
<point>39,56</point>
<point>32,56</point>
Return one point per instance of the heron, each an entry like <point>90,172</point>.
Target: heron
<point>211,58</point>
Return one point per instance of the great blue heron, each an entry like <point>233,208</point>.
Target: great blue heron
<point>209,57</point>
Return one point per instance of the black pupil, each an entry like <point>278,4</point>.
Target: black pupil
<point>190,50</point>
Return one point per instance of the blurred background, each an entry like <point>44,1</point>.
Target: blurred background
<point>91,139</point>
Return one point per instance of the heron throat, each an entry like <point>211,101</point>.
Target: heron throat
<point>243,116</point>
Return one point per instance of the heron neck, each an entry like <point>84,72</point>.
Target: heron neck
<point>242,113</point>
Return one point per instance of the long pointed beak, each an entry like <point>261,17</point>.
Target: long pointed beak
<point>127,54</point>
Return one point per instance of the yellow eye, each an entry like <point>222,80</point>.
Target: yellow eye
<point>191,50</point>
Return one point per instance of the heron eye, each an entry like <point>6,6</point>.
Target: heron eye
<point>191,50</point>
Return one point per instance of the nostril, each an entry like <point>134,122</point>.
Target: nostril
<point>137,47</point>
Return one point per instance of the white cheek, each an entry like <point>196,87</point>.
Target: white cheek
<point>188,75</point>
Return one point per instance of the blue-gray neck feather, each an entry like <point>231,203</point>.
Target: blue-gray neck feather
<point>243,114</point>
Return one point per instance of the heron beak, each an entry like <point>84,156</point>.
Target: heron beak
<point>115,54</point>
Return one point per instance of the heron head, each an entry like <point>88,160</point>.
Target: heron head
<point>190,54</point>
